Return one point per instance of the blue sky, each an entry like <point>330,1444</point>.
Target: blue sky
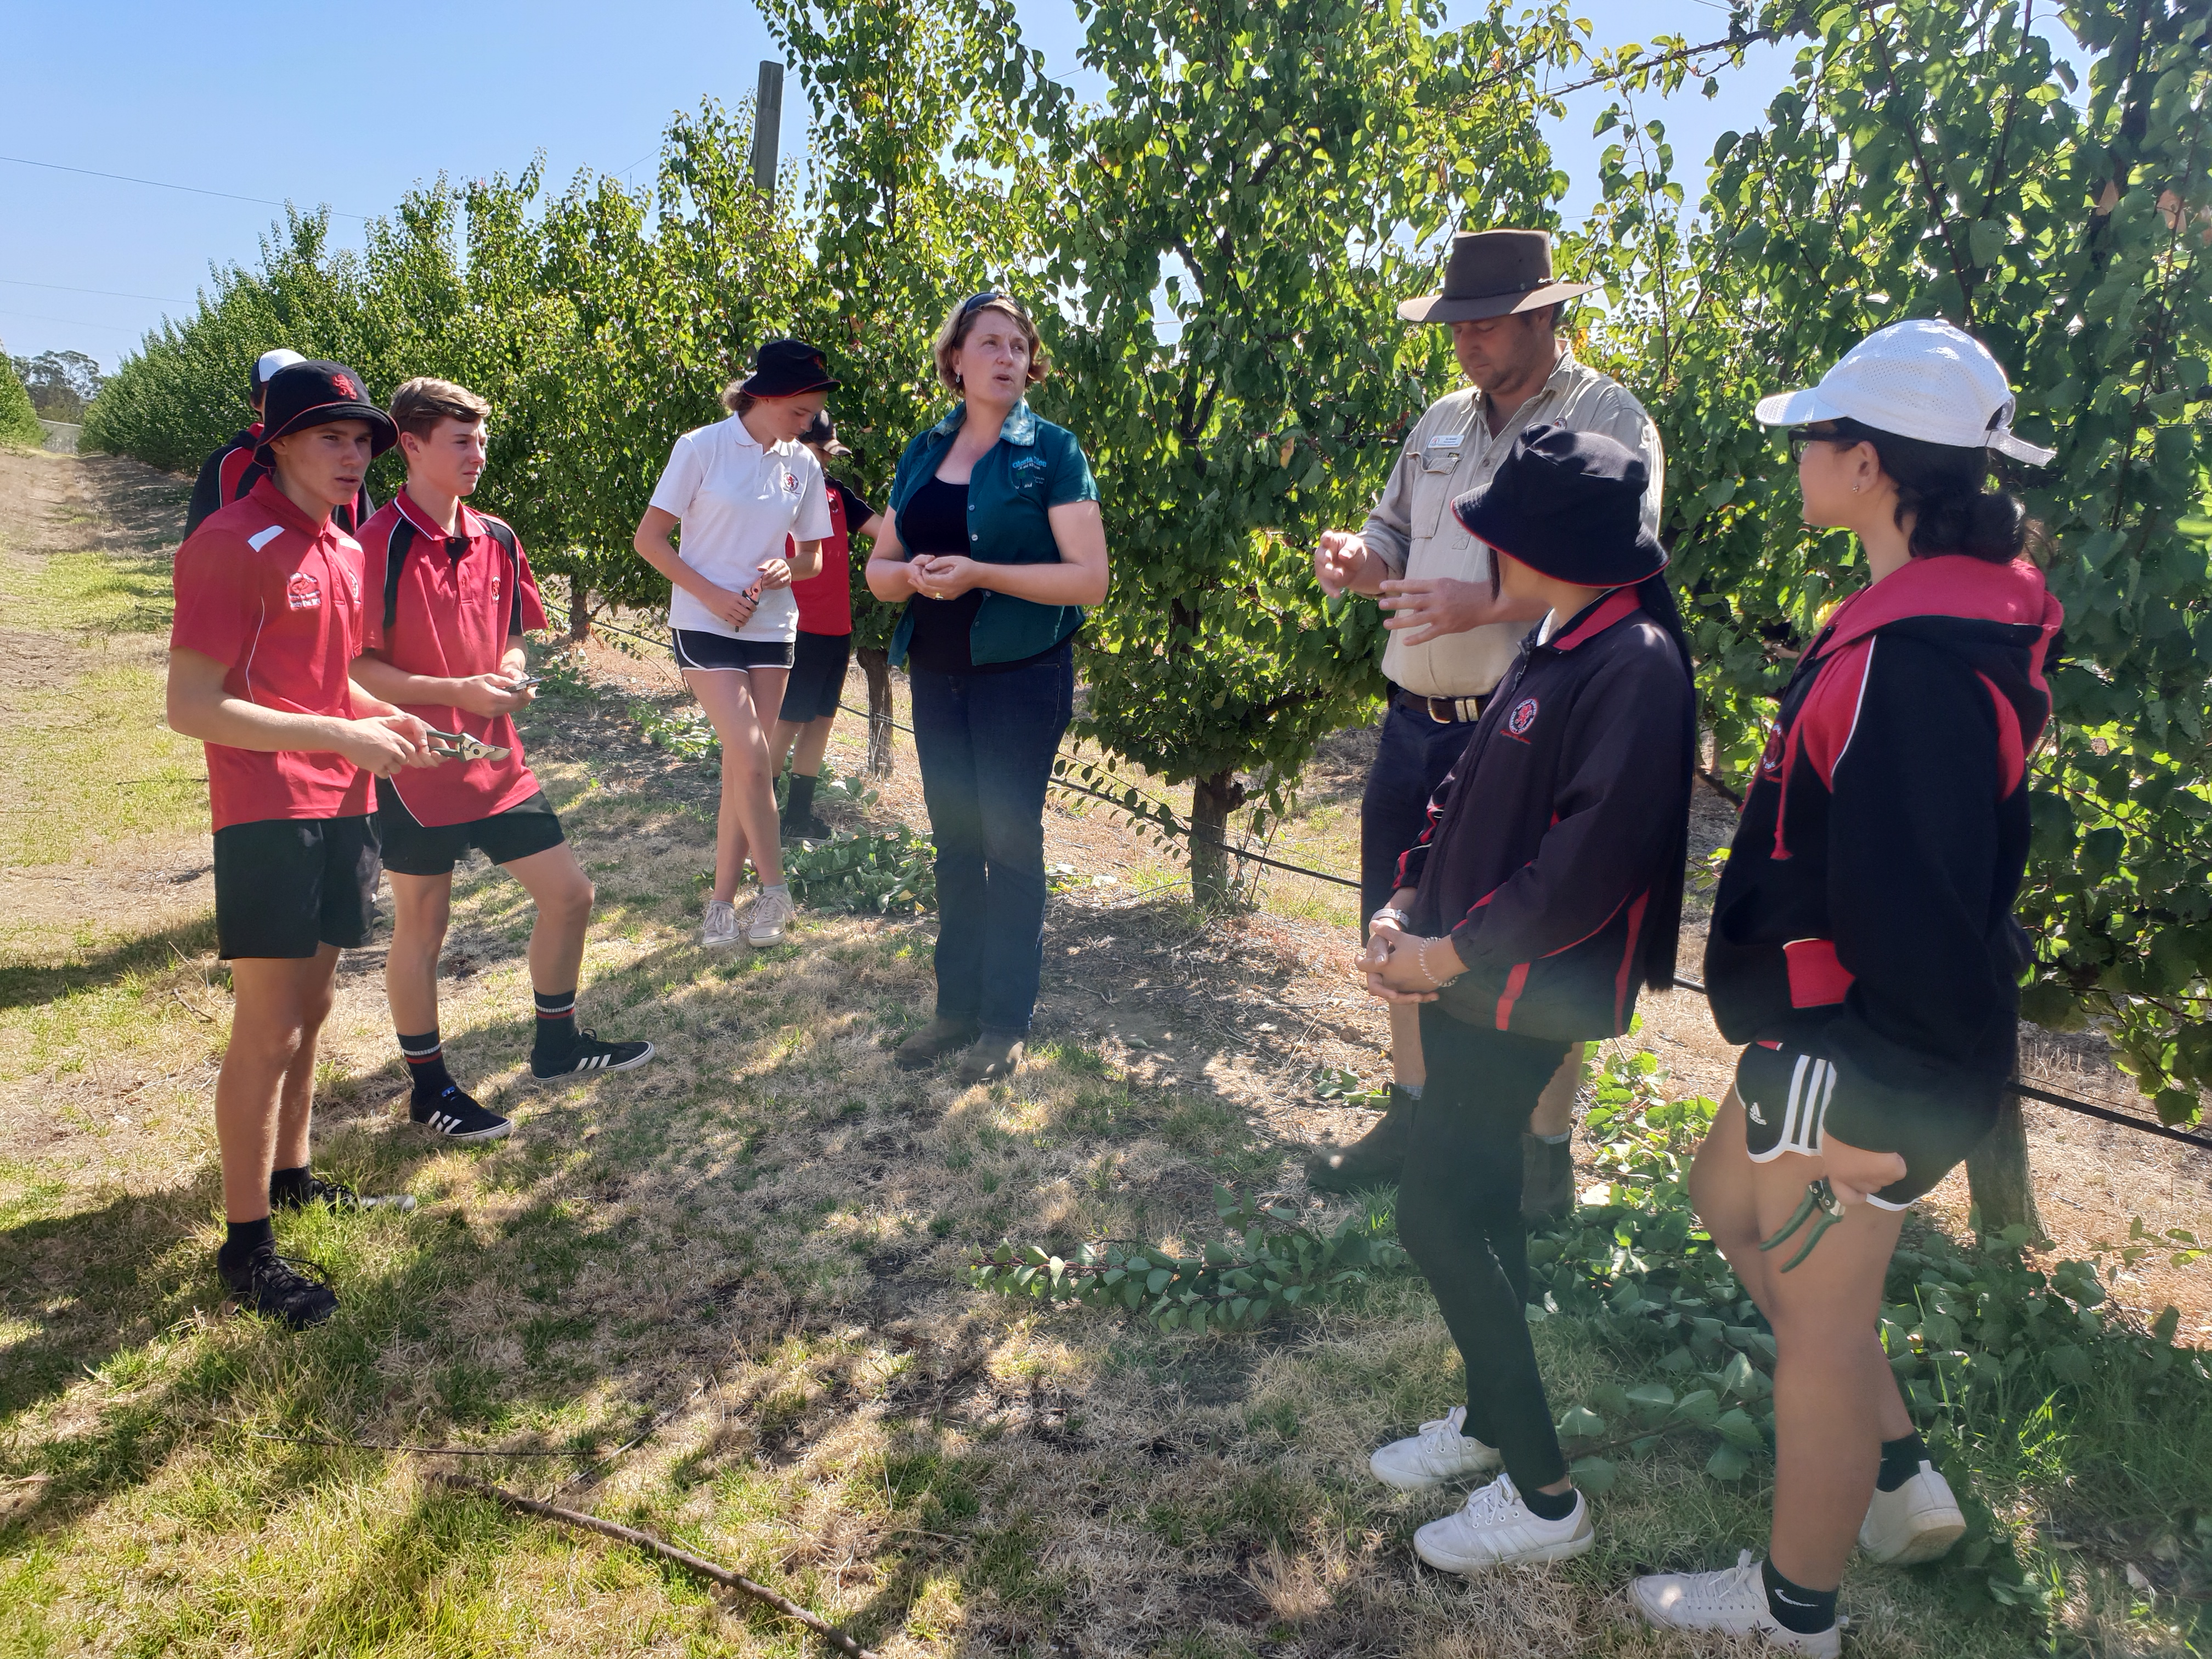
<point>301,103</point>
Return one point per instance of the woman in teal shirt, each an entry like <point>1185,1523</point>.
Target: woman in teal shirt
<point>994,539</point>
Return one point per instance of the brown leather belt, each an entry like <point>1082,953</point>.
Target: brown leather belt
<point>1444,711</point>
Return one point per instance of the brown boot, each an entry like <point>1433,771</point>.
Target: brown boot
<point>932,1042</point>
<point>995,1054</point>
<point>1374,1159</point>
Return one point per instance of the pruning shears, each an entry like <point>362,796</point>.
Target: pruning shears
<point>1821,1206</point>
<point>463,746</point>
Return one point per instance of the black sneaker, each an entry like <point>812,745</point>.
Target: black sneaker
<point>457,1117</point>
<point>808,827</point>
<point>339,1196</point>
<point>588,1054</point>
<point>265,1283</point>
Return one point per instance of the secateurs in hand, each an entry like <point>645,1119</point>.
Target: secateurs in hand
<point>459,745</point>
<point>1821,1206</point>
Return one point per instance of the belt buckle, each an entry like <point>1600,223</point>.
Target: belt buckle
<point>1447,719</point>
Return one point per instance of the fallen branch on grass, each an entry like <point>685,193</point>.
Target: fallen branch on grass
<point>667,1551</point>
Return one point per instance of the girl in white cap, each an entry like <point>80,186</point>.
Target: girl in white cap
<point>1862,946</point>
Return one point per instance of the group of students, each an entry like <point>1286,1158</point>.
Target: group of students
<point>1863,947</point>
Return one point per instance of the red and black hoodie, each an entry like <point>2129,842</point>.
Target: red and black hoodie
<point>227,474</point>
<point>1865,912</point>
<point>1554,850</point>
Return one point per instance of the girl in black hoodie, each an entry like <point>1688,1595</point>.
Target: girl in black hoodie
<point>1862,946</point>
<point>1545,895</point>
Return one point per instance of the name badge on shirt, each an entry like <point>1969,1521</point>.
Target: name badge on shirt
<point>1448,441</point>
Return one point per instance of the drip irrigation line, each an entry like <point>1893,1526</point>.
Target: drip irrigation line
<point>1682,981</point>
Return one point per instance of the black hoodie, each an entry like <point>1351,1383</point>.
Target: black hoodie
<point>1553,855</point>
<point>1866,909</point>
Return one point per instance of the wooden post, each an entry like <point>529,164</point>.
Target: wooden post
<point>876,666</point>
<point>767,125</point>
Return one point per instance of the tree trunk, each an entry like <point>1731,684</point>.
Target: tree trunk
<point>1212,799</point>
<point>875,665</point>
<point>1997,1177</point>
<point>580,611</point>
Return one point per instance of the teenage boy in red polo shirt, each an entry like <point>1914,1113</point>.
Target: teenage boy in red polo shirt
<point>450,597</point>
<point>268,623</point>
<point>227,475</point>
<point>825,642</point>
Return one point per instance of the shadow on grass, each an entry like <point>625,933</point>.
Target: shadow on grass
<point>29,984</point>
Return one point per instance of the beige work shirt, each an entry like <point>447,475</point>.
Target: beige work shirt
<point>1451,452</point>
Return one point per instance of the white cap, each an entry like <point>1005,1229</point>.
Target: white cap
<point>266,366</point>
<point>1922,378</point>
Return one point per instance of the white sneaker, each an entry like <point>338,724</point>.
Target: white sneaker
<point>721,926</point>
<point>764,926</point>
<point>1496,1529</point>
<point>1917,1522</point>
<point>1733,1600</point>
<point>1438,1453</point>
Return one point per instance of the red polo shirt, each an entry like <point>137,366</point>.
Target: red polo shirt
<point>459,601</point>
<point>263,588</point>
<point>825,598</point>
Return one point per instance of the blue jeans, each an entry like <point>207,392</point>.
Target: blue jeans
<point>1413,756</point>
<point>987,743</point>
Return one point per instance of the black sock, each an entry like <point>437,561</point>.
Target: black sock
<point>287,1187</point>
<point>1551,1505</point>
<point>556,1024</point>
<point>800,801</point>
<point>243,1239</point>
<point>1900,1461</point>
<point>1808,1612</point>
<point>426,1063</point>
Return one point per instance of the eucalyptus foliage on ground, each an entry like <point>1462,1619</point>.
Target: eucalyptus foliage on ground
<point>1270,1261</point>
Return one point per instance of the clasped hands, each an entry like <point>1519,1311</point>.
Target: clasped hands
<point>1403,967</point>
<point>942,575</point>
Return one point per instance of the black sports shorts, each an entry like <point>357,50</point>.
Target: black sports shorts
<point>1786,1090</point>
<point>697,648</point>
<point>417,849</point>
<point>285,887</point>
<point>817,677</point>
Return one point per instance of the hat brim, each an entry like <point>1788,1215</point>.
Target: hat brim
<point>1795,408</point>
<point>382,435</point>
<point>756,388</point>
<point>2007,443</point>
<point>1643,554</point>
<point>1448,308</point>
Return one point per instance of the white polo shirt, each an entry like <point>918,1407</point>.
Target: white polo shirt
<point>737,503</point>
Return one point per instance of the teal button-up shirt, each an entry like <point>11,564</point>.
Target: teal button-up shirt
<point>1034,467</point>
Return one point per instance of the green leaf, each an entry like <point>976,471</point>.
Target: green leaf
<point>1728,1463</point>
<point>1737,1428</point>
<point>1594,1475</point>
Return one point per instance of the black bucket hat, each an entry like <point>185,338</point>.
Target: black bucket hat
<point>316,393</point>
<point>1570,505</point>
<point>785,368</point>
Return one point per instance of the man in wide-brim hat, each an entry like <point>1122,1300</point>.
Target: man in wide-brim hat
<point>1451,637</point>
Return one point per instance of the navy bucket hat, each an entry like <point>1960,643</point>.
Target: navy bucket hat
<point>1569,504</point>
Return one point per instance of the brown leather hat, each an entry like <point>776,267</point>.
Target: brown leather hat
<point>1493,273</point>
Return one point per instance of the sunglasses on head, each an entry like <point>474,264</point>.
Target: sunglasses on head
<point>983,299</point>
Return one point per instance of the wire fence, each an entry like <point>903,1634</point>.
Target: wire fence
<point>1169,822</point>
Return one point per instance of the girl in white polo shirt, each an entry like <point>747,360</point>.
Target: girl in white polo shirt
<point>739,487</point>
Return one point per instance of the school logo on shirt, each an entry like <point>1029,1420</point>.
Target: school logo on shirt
<point>1522,717</point>
<point>303,592</point>
<point>790,481</point>
<point>1769,762</point>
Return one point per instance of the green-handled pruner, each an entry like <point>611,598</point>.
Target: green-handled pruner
<point>463,747</point>
<point>1821,1206</point>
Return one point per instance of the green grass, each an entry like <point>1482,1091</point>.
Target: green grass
<point>755,1248</point>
